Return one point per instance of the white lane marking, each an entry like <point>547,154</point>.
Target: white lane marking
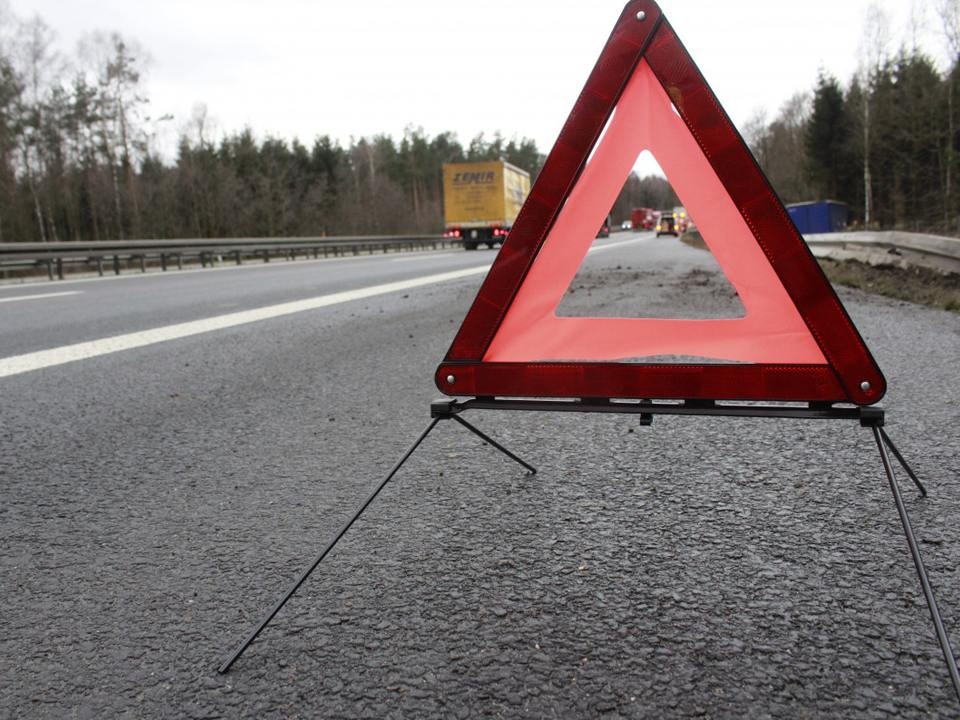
<point>621,243</point>
<point>420,257</point>
<point>81,351</point>
<point>94,348</point>
<point>39,297</point>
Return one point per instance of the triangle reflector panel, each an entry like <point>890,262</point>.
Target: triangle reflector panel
<point>794,342</point>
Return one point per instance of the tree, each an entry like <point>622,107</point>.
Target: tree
<point>874,49</point>
<point>780,148</point>
<point>650,191</point>
<point>37,63</point>
<point>949,12</point>
<point>827,138</point>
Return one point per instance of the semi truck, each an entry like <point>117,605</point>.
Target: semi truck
<point>642,219</point>
<point>481,200</point>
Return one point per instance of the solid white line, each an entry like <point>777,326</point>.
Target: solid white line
<point>38,297</point>
<point>82,351</point>
<point>85,350</point>
<point>621,243</point>
<point>417,258</point>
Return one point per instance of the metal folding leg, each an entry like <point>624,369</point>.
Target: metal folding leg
<point>313,566</point>
<point>942,636</point>
<point>903,463</point>
<point>494,443</point>
<point>343,531</point>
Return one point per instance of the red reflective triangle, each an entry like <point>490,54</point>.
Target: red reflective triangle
<point>795,341</point>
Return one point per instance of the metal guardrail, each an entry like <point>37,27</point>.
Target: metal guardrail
<point>56,256</point>
<point>897,248</point>
<point>889,248</point>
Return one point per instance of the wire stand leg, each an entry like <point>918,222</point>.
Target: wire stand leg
<point>921,570</point>
<point>494,443</point>
<point>313,566</point>
<point>903,463</point>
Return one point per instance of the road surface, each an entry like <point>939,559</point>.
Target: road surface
<point>174,448</point>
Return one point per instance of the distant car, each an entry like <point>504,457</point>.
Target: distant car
<point>626,225</point>
<point>604,229</point>
<point>667,225</point>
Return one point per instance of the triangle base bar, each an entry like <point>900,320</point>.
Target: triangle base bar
<point>767,383</point>
<point>872,417</point>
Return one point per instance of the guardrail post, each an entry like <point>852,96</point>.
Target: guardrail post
<point>239,261</point>
<point>60,268</point>
<point>179,261</point>
<point>203,259</point>
<point>143,263</point>
<point>100,265</point>
<point>163,262</point>
<point>50,269</point>
<point>116,264</point>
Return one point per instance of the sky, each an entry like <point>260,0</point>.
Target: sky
<point>303,68</point>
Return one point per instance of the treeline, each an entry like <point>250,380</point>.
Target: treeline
<point>79,157</point>
<point>240,187</point>
<point>886,143</point>
<point>78,160</point>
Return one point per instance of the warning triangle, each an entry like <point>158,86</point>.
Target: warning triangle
<point>795,341</point>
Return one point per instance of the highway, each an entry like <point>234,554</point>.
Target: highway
<point>175,447</point>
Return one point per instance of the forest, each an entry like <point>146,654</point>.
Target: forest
<point>79,157</point>
<point>885,142</point>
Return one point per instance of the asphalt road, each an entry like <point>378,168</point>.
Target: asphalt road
<point>156,500</point>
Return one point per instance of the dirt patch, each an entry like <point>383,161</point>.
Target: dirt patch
<point>916,284</point>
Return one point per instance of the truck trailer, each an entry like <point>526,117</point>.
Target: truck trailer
<point>481,200</point>
<point>642,218</point>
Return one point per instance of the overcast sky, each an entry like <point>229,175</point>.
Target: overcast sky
<point>308,67</point>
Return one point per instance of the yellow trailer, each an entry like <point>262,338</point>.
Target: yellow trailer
<point>482,199</point>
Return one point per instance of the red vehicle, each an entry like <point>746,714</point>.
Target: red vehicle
<point>643,218</point>
<point>605,228</point>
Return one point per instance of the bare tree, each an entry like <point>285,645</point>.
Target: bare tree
<point>37,65</point>
<point>117,66</point>
<point>874,52</point>
<point>949,12</point>
<point>917,23</point>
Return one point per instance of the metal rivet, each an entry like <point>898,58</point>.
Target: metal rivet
<point>642,15</point>
<point>865,386</point>
<point>451,379</point>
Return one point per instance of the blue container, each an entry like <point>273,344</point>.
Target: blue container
<point>819,217</point>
